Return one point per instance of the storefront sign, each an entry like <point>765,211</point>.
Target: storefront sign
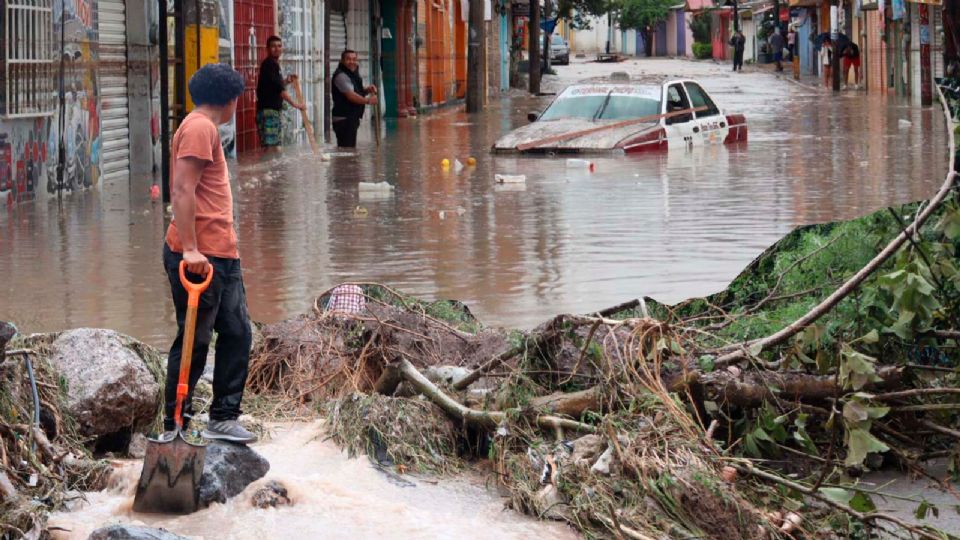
<point>930,2</point>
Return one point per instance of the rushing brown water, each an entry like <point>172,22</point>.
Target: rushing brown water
<point>333,497</point>
<point>670,226</point>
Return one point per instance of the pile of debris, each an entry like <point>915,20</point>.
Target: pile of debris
<point>749,414</point>
<point>65,397</point>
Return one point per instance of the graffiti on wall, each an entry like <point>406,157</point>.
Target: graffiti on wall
<point>23,160</point>
<point>81,108</point>
<point>29,147</point>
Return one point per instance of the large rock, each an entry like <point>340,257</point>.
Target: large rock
<point>132,532</point>
<point>109,387</point>
<point>7,331</point>
<point>228,470</point>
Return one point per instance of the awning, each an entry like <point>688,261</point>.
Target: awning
<point>698,5</point>
<point>931,2</point>
<point>804,3</point>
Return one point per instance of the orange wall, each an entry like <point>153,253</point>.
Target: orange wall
<point>443,56</point>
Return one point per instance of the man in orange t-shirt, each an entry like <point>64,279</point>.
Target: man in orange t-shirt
<point>202,234</point>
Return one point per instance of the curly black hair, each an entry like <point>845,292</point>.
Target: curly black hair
<point>215,84</point>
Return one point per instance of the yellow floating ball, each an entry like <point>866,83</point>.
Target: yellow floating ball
<point>445,163</point>
<point>471,161</point>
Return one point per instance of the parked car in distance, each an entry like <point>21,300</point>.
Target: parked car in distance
<point>628,115</point>
<point>559,49</point>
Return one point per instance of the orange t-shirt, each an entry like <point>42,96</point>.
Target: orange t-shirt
<point>198,137</point>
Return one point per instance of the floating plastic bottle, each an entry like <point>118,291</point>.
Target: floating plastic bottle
<point>574,163</point>
<point>510,178</point>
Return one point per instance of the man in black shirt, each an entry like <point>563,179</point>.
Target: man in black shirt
<point>350,99</point>
<point>271,93</point>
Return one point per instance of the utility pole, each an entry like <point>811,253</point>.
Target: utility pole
<point>533,46</point>
<point>736,16</point>
<point>475,43</point>
<point>835,39</point>
<point>547,9</point>
<point>926,85</point>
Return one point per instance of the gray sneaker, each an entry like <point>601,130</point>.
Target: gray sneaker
<point>228,430</point>
<point>167,436</point>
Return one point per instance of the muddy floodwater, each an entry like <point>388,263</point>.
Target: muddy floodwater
<point>332,497</point>
<point>669,225</point>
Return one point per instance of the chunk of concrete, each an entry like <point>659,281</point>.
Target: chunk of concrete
<point>133,532</point>
<point>228,470</point>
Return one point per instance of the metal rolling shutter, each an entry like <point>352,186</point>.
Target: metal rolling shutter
<point>358,35</point>
<point>338,38</point>
<point>115,128</point>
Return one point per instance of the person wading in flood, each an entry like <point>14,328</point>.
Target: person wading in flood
<point>350,99</point>
<point>271,93</point>
<point>201,234</point>
<point>738,41</point>
<point>776,46</point>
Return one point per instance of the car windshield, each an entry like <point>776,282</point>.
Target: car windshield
<point>605,102</point>
<point>557,40</point>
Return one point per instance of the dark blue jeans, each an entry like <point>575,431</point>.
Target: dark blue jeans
<point>223,309</point>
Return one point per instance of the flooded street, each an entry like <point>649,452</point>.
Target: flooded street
<point>669,226</point>
<point>339,497</point>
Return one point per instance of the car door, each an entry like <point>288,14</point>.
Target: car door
<point>713,125</point>
<point>682,130</point>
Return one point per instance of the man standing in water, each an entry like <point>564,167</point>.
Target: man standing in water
<point>202,234</point>
<point>271,93</point>
<point>776,45</point>
<point>738,41</point>
<point>350,99</point>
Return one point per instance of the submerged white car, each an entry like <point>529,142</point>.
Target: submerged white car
<point>626,115</point>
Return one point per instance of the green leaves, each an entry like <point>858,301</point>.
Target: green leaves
<point>914,298</point>
<point>641,14</point>
<point>855,499</point>
<point>858,417</point>
<point>856,369</point>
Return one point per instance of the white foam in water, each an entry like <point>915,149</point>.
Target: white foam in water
<point>333,497</point>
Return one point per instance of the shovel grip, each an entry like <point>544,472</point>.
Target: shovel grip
<point>194,290</point>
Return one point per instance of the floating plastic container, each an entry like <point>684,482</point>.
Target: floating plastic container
<point>510,178</point>
<point>374,186</point>
<point>574,163</point>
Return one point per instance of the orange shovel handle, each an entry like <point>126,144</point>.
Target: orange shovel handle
<point>194,290</point>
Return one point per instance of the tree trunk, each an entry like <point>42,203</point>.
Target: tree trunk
<point>753,388</point>
<point>648,41</point>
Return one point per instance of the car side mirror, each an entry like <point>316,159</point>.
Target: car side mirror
<point>533,116</point>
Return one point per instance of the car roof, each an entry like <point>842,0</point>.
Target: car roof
<point>644,79</point>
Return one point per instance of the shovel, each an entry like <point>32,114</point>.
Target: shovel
<point>170,480</point>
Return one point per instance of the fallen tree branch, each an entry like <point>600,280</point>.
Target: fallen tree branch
<point>945,430</point>
<point>488,419</point>
<point>915,392</point>
<point>753,388</point>
<point>863,517</point>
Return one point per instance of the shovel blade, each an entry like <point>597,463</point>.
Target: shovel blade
<point>170,480</point>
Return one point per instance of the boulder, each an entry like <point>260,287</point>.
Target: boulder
<point>228,470</point>
<point>271,495</point>
<point>7,331</point>
<point>110,388</point>
<point>132,532</point>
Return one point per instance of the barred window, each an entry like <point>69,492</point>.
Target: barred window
<point>28,86</point>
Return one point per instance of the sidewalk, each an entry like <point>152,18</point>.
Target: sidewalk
<point>809,81</point>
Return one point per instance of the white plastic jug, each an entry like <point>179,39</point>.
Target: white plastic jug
<point>574,163</point>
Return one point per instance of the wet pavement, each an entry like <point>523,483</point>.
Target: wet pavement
<point>670,226</point>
